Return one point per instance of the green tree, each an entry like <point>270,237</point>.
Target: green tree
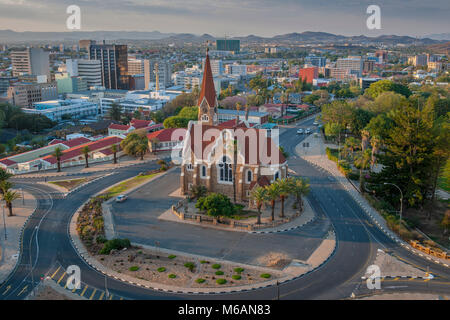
<point>273,194</point>
<point>85,152</point>
<point>362,160</point>
<point>216,205</point>
<point>114,150</point>
<point>115,112</point>
<point>381,86</point>
<point>135,144</point>
<point>58,154</point>
<point>299,187</point>
<point>259,197</point>
<point>285,190</point>
<point>9,197</point>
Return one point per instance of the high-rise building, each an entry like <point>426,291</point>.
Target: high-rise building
<point>90,70</point>
<point>216,67</point>
<point>135,66</point>
<point>70,84</point>
<point>308,74</point>
<point>228,45</point>
<point>316,61</point>
<point>236,69</point>
<point>30,61</point>
<point>418,60</point>
<point>6,82</point>
<point>164,71</point>
<point>352,64</point>
<point>25,94</point>
<point>114,62</point>
<point>368,66</point>
<point>85,44</point>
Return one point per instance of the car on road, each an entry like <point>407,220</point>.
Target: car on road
<point>308,131</point>
<point>121,198</point>
<point>300,131</point>
<point>315,123</point>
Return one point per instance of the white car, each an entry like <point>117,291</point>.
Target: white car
<point>300,131</point>
<point>121,198</point>
<point>308,131</point>
<point>315,123</point>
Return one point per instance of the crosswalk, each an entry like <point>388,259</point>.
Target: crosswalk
<point>59,275</point>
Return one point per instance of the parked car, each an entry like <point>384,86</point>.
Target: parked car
<point>308,131</point>
<point>315,123</point>
<point>300,131</point>
<point>121,198</point>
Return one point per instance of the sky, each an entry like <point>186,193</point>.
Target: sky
<point>230,17</point>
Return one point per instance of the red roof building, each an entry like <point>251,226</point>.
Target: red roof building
<point>166,139</point>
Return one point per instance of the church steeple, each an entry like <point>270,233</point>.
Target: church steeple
<point>207,101</point>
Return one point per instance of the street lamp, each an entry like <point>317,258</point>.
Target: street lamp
<point>4,221</point>
<point>401,199</point>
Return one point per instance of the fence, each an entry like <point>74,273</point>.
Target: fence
<point>226,222</point>
<point>427,250</point>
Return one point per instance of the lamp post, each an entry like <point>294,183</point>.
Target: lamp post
<point>401,199</point>
<point>4,222</point>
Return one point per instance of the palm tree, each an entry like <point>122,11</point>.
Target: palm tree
<point>114,150</point>
<point>9,197</point>
<point>142,148</point>
<point>273,193</point>
<point>86,151</point>
<point>4,175</point>
<point>5,186</point>
<point>58,154</point>
<point>299,187</point>
<point>259,196</point>
<point>375,142</point>
<point>285,190</point>
<point>361,160</point>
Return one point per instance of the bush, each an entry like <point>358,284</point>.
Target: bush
<point>216,205</point>
<point>216,266</point>
<point>116,244</point>
<point>172,276</point>
<point>203,261</point>
<point>238,270</point>
<point>221,281</point>
<point>200,280</point>
<point>265,275</point>
<point>172,256</point>
<point>134,268</point>
<point>100,239</point>
<point>190,265</point>
<point>161,269</point>
<point>236,277</point>
<point>219,273</point>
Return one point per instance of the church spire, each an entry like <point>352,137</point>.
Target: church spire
<point>208,90</point>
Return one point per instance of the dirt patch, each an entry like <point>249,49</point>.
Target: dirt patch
<point>71,184</point>
<point>392,267</point>
<point>274,260</point>
<point>179,270</point>
<point>47,293</point>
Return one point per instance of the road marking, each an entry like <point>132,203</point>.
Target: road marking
<point>61,277</point>
<point>23,290</point>
<point>84,290</point>
<point>111,296</point>
<point>93,293</point>
<point>54,274</point>
<point>101,296</point>
<point>7,289</point>
<point>74,289</point>
<point>395,279</point>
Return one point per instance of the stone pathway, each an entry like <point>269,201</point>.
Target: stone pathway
<point>9,249</point>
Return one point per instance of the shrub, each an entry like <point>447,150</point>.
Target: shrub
<point>203,261</point>
<point>238,270</point>
<point>265,275</point>
<point>172,276</point>
<point>216,266</point>
<point>172,256</point>
<point>216,205</point>
<point>116,244</point>
<point>161,269</point>
<point>221,281</point>
<point>200,280</point>
<point>236,277</point>
<point>134,268</point>
<point>190,265</point>
<point>100,239</point>
<point>219,273</point>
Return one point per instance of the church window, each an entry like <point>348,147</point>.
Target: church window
<point>225,170</point>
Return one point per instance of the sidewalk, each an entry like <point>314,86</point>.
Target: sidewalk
<point>316,155</point>
<point>122,162</point>
<point>9,249</point>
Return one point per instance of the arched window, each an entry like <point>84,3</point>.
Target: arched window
<point>276,176</point>
<point>205,117</point>
<point>249,176</point>
<point>204,171</point>
<point>225,170</point>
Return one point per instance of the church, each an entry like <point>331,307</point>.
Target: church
<point>231,157</point>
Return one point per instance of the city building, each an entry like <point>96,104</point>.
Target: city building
<point>308,74</point>
<point>228,45</point>
<point>236,69</point>
<point>352,65</point>
<point>364,83</point>
<point>418,60</point>
<point>85,44</point>
<point>135,66</point>
<point>6,82</point>
<point>90,70</point>
<point>23,94</point>
<point>114,62</point>
<point>164,141</point>
<point>208,159</point>
<point>435,66</point>
<point>70,84</point>
<point>30,61</point>
<point>58,110</point>
<point>157,69</point>
<point>316,61</point>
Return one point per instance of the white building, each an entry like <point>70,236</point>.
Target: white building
<point>91,70</point>
<point>57,109</point>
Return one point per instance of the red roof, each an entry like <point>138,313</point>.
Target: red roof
<point>208,90</point>
<point>139,124</point>
<point>77,151</point>
<point>164,135</point>
<point>75,142</point>
<point>122,127</point>
<point>7,162</point>
<point>55,141</point>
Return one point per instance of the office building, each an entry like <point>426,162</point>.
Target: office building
<point>57,110</point>
<point>236,69</point>
<point>418,60</point>
<point>85,44</point>
<point>90,70</point>
<point>351,64</point>
<point>114,62</point>
<point>69,84</point>
<point>308,74</point>
<point>160,67</point>
<point>25,94</point>
<point>6,82</point>
<point>216,67</point>
<point>228,45</point>
<point>30,61</point>
<point>316,61</point>
<point>135,66</point>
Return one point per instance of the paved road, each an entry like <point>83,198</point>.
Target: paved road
<point>358,241</point>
